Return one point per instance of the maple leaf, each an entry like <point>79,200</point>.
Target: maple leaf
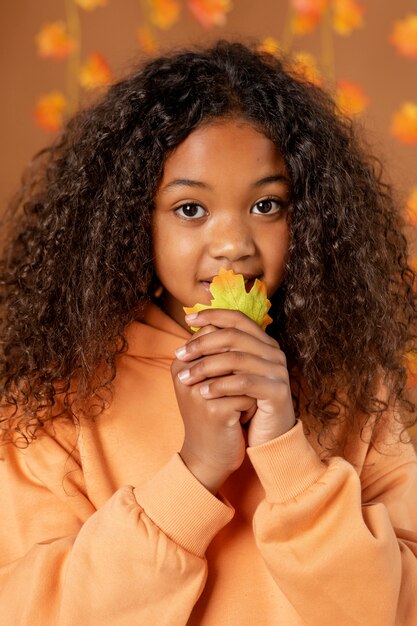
<point>404,123</point>
<point>95,72</point>
<point>49,111</point>
<point>347,15</point>
<point>229,292</point>
<point>164,13</point>
<point>53,41</point>
<point>404,36</point>
<point>210,12</point>
<point>350,98</point>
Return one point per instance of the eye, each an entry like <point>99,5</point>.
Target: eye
<point>190,211</point>
<point>269,206</point>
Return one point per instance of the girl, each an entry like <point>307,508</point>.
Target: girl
<point>231,476</point>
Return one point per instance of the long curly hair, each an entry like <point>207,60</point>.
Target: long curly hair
<point>76,265</point>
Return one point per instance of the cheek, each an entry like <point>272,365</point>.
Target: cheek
<point>173,247</point>
<point>276,256</point>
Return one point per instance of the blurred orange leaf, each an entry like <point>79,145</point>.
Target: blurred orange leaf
<point>350,97</point>
<point>210,12</point>
<point>307,14</point>
<point>53,41</point>
<point>306,67</point>
<point>411,209</point>
<point>309,7</point>
<point>410,364</point>
<point>146,40</point>
<point>404,36</point>
<point>269,44</point>
<point>95,72</point>
<point>90,5</point>
<point>404,123</point>
<point>49,111</point>
<point>346,16</point>
<point>164,13</point>
<point>413,264</point>
<point>304,24</point>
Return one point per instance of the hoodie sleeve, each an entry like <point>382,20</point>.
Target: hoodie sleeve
<point>342,548</point>
<point>65,563</point>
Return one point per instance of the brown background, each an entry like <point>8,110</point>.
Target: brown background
<point>365,57</point>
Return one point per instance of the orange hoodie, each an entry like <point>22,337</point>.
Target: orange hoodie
<point>103,525</point>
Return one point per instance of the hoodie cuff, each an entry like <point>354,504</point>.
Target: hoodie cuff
<point>182,507</point>
<point>287,465</point>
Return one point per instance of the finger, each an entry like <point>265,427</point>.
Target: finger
<point>226,340</point>
<point>231,409</point>
<point>205,330</point>
<point>224,318</point>
<point>231,363</point>
<point>253,386</point>
<point>176,365</point>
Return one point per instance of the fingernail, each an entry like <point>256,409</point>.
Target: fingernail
<point>184,375</point>
<point>205,390</point>
<point>181,352</point>
<point>191,317</point>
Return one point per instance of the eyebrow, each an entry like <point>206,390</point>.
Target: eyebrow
<point>187,182</point>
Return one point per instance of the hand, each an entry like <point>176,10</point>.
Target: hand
<point>214,444</point>
<point>241,374</point>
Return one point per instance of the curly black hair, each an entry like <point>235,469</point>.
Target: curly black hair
<point>76,265</point>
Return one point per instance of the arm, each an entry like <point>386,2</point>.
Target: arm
<point>339,555</point>
<point>137,559</point>
<point>342,552</point>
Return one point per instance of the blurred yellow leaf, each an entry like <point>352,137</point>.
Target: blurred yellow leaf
<point>49,111</point>
<point>346,16</point>
<point>411,208</point>
<point>404,36</point>
<point>210,12</point>
<point>90,5</point>
<point>305,66</point>
<point>95,72</point>
<point>269,44</point>
<point>164,13</point>
<point>229,292</point>
<point>404,123</point>
<point>146,40</point>
<point>53,41</point>
<point>306,15</point>
<point>350,98</point>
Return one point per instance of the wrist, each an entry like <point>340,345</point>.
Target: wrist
<point>258,437</point>
<point>212,479</point>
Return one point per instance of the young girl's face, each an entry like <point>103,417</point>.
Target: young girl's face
<point>222,202</point>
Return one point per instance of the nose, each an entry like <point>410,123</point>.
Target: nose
<point>231,239</point>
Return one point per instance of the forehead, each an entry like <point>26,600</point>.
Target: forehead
<point>223,147</point>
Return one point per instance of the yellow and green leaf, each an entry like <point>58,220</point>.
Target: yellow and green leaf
<point>229,292</point>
